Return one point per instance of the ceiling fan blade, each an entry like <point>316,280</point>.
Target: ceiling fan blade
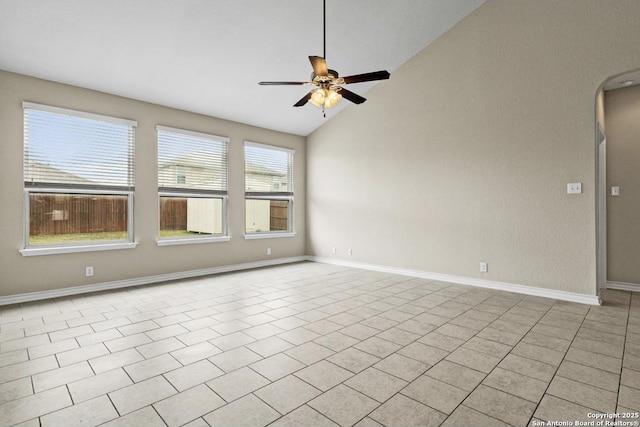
<point>282,83</point>
<point>303,100</point>
<point>319,65</point>
<point>367,77</point>
<point>353,97</point>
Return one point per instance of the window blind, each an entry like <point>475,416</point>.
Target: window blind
<point>268,170</point>
<point>191,162</point>
<point>66,149</point>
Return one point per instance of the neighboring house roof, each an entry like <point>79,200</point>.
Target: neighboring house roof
<point>42,172</point>
<point>196,159</point>
<point>200,158</point>
<point>253,168</point>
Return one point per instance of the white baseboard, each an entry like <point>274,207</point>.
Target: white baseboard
<point>56,293</point>
<point>623,286</point>
<point>509,287</point>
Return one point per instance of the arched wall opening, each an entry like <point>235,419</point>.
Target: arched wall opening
<point>617,130</point>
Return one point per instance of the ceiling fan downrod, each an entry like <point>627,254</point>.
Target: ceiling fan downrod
<point>324,29</point>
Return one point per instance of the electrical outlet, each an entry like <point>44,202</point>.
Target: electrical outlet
<point>350,252</point>
<point>333,250</point>
<point>88,271</point>
<point>574,188</point>
<point>484,267</point>
<point>268,251</point>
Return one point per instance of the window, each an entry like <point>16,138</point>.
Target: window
<point>78,180</point>
<point>192,186</point>
<point>181,175</point>
<point>268,184</point>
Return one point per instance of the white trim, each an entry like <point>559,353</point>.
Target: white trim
<point>509,287</point>
<point>217,138</point>
<point>86,246</point>
<point>527,290</point>
<point>601,210</point>
<point>272,235</point>
<point>270,197</point>
<point>213,194</point>
<point>54,250</point>
<point>130,218</point>
<point>57,190</point>
<point>192,240</point>
<point>623,286</point>
<point>80,114</point>
<point>269,147</point>
<point>56,293</point>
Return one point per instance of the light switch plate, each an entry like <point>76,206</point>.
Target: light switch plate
<point>574,188</point>
<point>615,191</point>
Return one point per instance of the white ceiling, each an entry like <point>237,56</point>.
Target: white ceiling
<point>207,56</point>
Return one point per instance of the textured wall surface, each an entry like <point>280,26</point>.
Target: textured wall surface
<point>464,155</point>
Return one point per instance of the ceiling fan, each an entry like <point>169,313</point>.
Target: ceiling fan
<point>329,89</point>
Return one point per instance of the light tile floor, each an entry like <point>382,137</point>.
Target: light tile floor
<point>316,345</point>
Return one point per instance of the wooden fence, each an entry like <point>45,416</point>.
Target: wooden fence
<point>173,213</point>
<point>279,213</point>
<point>78,213</point>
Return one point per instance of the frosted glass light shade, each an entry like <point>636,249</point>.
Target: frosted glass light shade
<point>326,98</point>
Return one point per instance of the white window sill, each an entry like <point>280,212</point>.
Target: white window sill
<point>54,250</point>
<point>191,241</point>
<point>272,235</point>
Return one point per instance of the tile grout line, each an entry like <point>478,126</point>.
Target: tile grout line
<point>489,373</point>
<point>558,367</point>
<point>374,286</point>
<point>624,346</point>
<point>424,373</point>
<point>342,382</point>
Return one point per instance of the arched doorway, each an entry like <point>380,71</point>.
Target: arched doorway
<point>614,85</point>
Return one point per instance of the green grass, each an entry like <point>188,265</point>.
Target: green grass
<point>177,233</point>
<point>49,239</point>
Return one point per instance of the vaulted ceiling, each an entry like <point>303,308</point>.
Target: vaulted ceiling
<point>207,56</point>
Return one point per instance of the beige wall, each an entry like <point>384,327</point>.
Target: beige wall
<point>464,154</point>
<point>622,109</point>
<point>20,274</point>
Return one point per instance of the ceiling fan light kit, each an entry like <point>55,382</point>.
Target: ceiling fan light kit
<point>325,98</point>
<point>329,91</point>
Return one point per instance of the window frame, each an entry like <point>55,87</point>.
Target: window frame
<point>194,193</point>
<point>80,189</point>
<point>275,196</point>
